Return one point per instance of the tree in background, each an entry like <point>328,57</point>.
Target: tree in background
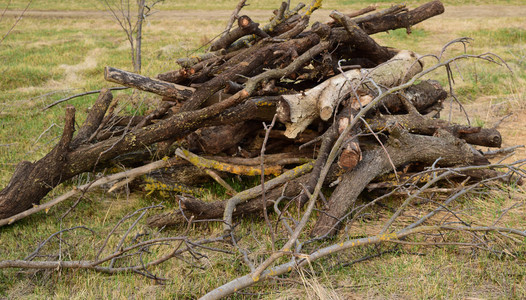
<point>18,18</point>
<point>130,24</point>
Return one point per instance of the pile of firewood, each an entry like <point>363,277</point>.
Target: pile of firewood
<point>319,105</point>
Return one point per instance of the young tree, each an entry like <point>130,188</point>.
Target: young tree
<point>18,18</point>
<point>130,24</point>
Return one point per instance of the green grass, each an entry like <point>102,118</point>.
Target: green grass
<point>63,56</point>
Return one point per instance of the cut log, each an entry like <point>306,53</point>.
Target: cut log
<point>402,147</point>
<point>32,181</point>
<point>403,20</point>
<point>489,137</point>
<point>300,110</point>
<point>147,84</point>
<point>362,41</point>
<point>245,27</point>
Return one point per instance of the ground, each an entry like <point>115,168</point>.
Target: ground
<point>54,53</point>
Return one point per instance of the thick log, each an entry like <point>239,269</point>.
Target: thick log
<point>397,8</point>
<point>489,137</point>
<point>216,139</point>
<point>362,41</point>
<point>425,96</point>
<point>403,20</point>
<point>391,22</point>
<point>402,147</point>
<point>300,110</point>
<point>147,84</point>
<point>32,181</point>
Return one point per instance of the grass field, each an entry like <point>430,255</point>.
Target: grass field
<point>61,47</point>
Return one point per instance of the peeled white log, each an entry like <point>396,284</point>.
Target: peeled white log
<point>299,110</point>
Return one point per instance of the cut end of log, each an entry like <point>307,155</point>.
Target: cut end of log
<point>326,113</point>
<point>106,71</point>
<point>244,21</point>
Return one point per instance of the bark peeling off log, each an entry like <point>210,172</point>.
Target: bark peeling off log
<point>402,147</point>
<point>299,110</point>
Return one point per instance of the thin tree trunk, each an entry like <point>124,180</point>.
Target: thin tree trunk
<point>138,38</point>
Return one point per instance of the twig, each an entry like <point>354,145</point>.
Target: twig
<point>16,21</point>
<point>222,182</point>
<point>248,280</point>
<point>256,191</point>
<point>262,167</point>
<point>80,95</point>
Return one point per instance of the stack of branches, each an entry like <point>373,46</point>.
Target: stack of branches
<point>317,106</point>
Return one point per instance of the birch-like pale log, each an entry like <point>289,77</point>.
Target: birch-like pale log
<point>299,110</point>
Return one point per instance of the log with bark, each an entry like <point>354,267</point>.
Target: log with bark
<point>215,103</point>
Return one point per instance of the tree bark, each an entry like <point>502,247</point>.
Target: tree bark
<point>403,20</point>
<point>244,64</point>
<point>362,41</point>
<point>402,147</point>
<point>245,27</point>
<point>32,181</point>
<point>147,84</point>
<point>299,110</point>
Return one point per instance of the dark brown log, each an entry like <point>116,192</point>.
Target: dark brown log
<point>391,22</point>
<point>361,41</point>
<point>245,63</point>
<point>185,173</point>
<point>202,210</point>
<point>424,96</point>
<point>403,20</point>
<point>402,147</point>
<point>397,8</point>
<point>489,137</point>
<point>245,27</point>
<point>32,181</point>
<point>147,84</point>
<point>329,137</point>
<point>94,119</point>
<point>175,76</point>
<point>216,139</point>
